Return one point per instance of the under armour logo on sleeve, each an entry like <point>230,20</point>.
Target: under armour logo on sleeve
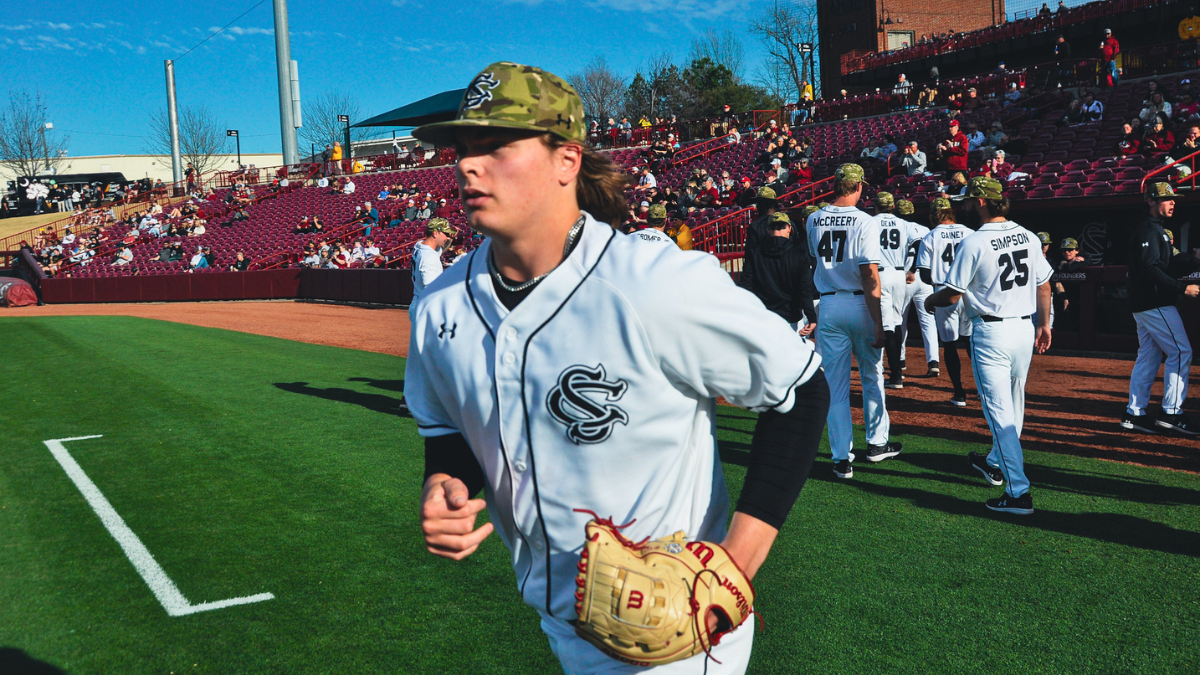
<point>443,331</point>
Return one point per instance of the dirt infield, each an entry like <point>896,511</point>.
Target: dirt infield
<point>1072,404</point>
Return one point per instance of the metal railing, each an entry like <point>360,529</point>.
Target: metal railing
<point>725,237</point>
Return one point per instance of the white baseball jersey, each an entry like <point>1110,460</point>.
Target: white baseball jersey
<point>938,250</point>
<point>914,249</point>
<point>998,269</point>
<point>652,235</point>
<point>426,266</point>
<point>896,235</point>
<point>598,391</point>
<point>841,238</point>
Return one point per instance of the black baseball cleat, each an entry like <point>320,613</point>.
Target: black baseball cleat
<point>1021,506</point>
<point>934,369</point>
<point>1142,423</point>
<point>990,473</point>
<point>1178,423</point>
<point>878,453</point>
<point>959,399</point>
<point>843,469</point>
<point>895,382</point>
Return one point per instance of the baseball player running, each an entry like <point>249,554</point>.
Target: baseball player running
<point>1001,275</point>
<point>1153,290</point>
<point>846,243</point>
<point>915,293</point>
<point>557,369</point>
<point>896,235</point>
<point>937,254</point>
<point>427,255</point>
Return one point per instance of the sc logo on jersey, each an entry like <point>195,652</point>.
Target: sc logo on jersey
<point>587,420</point>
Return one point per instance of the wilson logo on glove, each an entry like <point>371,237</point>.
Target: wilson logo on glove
<point>646,603</point>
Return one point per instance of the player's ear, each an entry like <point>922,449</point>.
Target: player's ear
<point>568,159</point>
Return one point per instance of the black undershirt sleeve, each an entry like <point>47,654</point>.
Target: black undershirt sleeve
<point>926,276</point>
<point>451,455</point>
<point>782,452</point>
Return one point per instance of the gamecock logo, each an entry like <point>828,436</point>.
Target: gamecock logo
<point>587,420</point>
<point>480,90</point>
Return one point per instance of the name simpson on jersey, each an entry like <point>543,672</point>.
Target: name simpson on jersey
<point>1009,241</point>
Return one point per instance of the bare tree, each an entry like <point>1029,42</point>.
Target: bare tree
<point>202,139</point>
<point>773,76</point>
<point>601,89</point>
<point>723,49</point>
<point>26,149</point>
<point>782,29</point>
<point>321,125</point>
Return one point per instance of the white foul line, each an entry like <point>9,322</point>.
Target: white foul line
<point>164,589</point>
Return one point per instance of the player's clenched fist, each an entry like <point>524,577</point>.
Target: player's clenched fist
<point>448,518</point>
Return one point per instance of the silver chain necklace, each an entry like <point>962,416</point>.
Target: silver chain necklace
<point>572,235</point>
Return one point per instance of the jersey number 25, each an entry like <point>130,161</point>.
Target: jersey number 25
<point>832,246</point>
<point>1010,264</point>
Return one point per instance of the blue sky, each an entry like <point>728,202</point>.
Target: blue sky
<point>99,65</point>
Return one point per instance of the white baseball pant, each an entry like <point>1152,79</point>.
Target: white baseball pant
<point>579,657</point>
<point>892,295</point>
<point>1160,334</point>
<point>914,301</point>
<point>1000,356</point>
<point>845,328</point>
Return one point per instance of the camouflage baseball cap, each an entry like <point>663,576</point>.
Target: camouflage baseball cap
<point>1044,237</point>
<point>941,204</point>
<point>765,192</point>
<point>1162,190</point>
<point>850,172</point>
<point>821,205</point>
<point>657,212</point>
<point>780,217</point>
<point>439,225</point>
<point>1170,234</point>
<point>885,199</point>
<point>512,96</point>
<point>904,207</point>
<point>810,209</point>
<point>1068,244</point>
<point>985,187</point>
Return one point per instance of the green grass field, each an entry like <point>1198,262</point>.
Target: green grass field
<point>250,465</point>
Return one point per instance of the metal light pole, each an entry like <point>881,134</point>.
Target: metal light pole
<point>288,91</point>
<point>346,118</point>
<point>45,152</point>
<point>234,133</point>
<point>173,120</point>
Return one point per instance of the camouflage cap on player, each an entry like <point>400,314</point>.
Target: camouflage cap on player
<point>512,96</point>
<point>1170,234</point>
<point>821,205</point>
<point>780,217</point>
<point>985,187</point>
<point>849,172</point>
<point>885,199</point>
<point>904,207</point>
<point>1161,190</point>
<point>1044,237</point>
<point>439,225</point>
<point>941,204</point>
<point>810,209</point>
<point>658,212</point>
<point>1068,244</point>
<point>765,192</point>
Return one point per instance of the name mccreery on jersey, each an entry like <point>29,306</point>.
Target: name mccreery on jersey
<point>1010,240</point>
<point>823,220</point>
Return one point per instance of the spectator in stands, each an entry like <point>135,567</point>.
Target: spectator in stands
<point>708,197</point>
<point>348,187</point>
<point>357,167</point>
<point>887,146</point>
<point>926,96</point>
<point>1130,142</point>
<point>957,184</point>
<point>1188,145</point>
<point>806,147</point>
<point>336,158</point>
<point>1109,50</point>
<point>241,264</point>
<point>1075,114</point>
<point>913,160</point>
<point>781,174</point>
<point>801,172</point>
<point>198,228</point>
<point>1044,12</point>
<point>198,260</point>
<point>996,138</point>
<point>640,215</point>
<point>954,104</point>
<point>68,237</point>
<point>1012,95</point>
<point>746,193</point>
<point>953,150</point>
<point>124,257</point>
<point>370,217</point>
<point>1158,138</point>
<point>426,211</point>
<point>165,254</point>
<point>626,129</point>
<point>326,160</point>
<point>903,88</point>
<point>1187,108</point>
<point>443,210</point>
<point>311,258</point>
<point>871,151</point>
<point>999,168</point>
<point>646,181</point>
<point>370,251</point>
<point>972,101</point>
<point>358,253</point>
<point>1156,105</point>
<point>410,213</point>
<point>687,198</point>
<point>302,227</point>
<point>176,252</point>
<point>239,215</point>
<point>975,138</point>
<point>1093,110</point>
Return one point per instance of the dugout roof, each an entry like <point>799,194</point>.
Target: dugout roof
<point>437,108</point>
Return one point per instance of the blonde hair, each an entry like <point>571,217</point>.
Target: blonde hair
<point>600,185</point>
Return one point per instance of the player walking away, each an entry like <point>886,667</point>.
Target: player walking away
<point>1154,286</point>
<point>656,222</point>
<point>915,292</point>
<point>427,255</point>
<point>765,206</point>
<point>938,250</point>
<point>778,270</point>
<point>512,400</point>
<point>1001,275</point>
<point>846,242</point>
<point>895,237</point>
<point>1044,240</point>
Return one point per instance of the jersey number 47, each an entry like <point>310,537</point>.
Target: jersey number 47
<point>832,246</point>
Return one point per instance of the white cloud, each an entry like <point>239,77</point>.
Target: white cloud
<point>238,30</point>
<point>59,26</point>
<point>23,26</point>
<point>398,3</point>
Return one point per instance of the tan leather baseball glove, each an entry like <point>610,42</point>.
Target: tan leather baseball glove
<point>646,603</point>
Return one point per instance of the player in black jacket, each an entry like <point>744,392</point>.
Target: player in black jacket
<point>1154,287</point>
<point>778,269</point>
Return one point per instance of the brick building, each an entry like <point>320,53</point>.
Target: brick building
<point>860,27</point>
